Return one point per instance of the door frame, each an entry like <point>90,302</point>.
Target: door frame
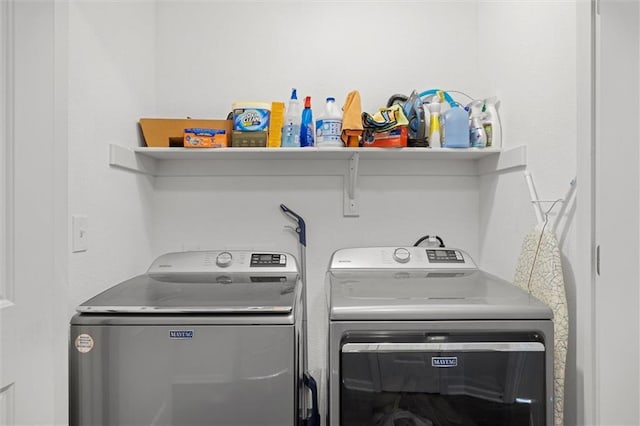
<point>7,288</point>
<point>587,401</point>
<point>34,206</point>
<point>589,127</point>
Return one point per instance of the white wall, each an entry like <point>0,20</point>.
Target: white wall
<point>260,50</point>
<point>529,61</point>
<point>111,82</point>
<point>533,72</point>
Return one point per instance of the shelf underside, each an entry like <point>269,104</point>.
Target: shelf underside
<point>315,161</point>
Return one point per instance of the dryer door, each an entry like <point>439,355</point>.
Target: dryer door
<point>443,383</point>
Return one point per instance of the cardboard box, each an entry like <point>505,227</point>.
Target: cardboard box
<point>158,132</point>
<point>249,139</point>
<point>205,138</point>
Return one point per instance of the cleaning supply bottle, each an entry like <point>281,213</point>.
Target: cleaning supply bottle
<point>291,128</point>
<point>306,127</point>
<point>329,126</point>
<point>491,123</point>
<point>434,123</point>
<point>427,121</point>
<point>455,126</point>
<point>477,135</point>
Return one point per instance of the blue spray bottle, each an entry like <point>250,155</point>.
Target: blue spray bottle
<point>306,127</point>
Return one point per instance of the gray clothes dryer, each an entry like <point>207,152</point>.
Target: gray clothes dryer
<point>203,338</point>
<point>421,337</point>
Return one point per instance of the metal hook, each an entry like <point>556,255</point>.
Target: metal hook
<point>559,200</point>
<point>546,214</point>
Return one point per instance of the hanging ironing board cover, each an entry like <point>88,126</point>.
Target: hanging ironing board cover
<point>539,272</point>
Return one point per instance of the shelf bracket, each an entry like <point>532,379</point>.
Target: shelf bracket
<point>350,203</point>
<point>125,158</point>
<point>509,158</point>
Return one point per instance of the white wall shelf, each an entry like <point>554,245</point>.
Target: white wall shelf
<point>350,163</point>
<point>314,153</point>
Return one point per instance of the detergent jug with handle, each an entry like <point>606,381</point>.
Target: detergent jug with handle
<point>455,123</point>
<point>329,126</point>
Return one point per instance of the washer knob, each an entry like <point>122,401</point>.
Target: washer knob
<point>401,255</point>
<point>224,259</point>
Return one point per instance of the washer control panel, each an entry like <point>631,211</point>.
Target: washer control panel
<point>229,261</point>
<point>444,256</point>
<point>268,259</point>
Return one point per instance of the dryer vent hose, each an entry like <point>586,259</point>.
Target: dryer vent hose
<point>430,239</point>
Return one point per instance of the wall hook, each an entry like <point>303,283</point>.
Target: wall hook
<point>541,216</point>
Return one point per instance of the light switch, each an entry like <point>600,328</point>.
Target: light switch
<point>80,231</point>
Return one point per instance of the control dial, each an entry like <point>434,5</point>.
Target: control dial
<point>401,255</point>
<point>224,259</point>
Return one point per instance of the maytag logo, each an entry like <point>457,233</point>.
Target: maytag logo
<point>181,334</point>
<point>444,361</point>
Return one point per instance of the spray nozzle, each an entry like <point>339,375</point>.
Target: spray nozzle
<point>294,94</point>
<point>476,107</point>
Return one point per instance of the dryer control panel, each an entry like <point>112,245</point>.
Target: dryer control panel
<point>401,258</point>
<point>445,256</point>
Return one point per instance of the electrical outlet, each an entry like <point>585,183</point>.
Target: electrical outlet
<point>80,233</point>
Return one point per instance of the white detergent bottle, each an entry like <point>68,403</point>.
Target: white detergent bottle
<point>477,135</point>
<point>329,126</point>
<point>291,128</point>
<point>491,123</point>
<point>434,123</point>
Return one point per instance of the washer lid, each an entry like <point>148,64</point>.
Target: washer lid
<point>199,293</point>
<point>428,295</point>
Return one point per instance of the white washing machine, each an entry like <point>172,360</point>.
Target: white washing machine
<point>203,338</point>
<point>420,336</point>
